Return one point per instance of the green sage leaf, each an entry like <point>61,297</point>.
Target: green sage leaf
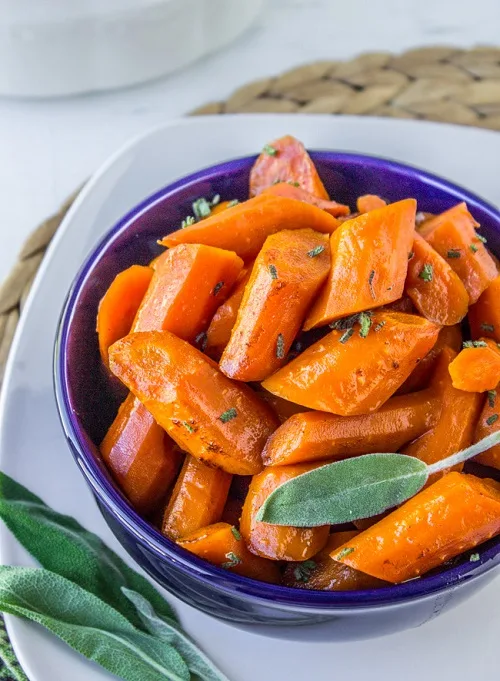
<point>59,543</point>
<point>89,625</point>
<point>197,662</point>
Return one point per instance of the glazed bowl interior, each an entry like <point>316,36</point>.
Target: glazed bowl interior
<point>88,397</point>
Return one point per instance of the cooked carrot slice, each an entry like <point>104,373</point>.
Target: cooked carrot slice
<point>477,368</point>
<point>369,263</point>
<point>316,436</point>
<point>286,276</point>
<point>197,500</point>
<point>221,545</point>
<point>484,316</point>
<point>453,515</point>
<point>294,192</point>
<point>435,289</point>
<point>286,160</point>
<point>369,202</point>
<point>282,408</point>
<point>245,227</point>
<point>347,374</point>
<point>278,542</point>
<point>488,423</point>
<point>142,458</point>
<point>403,304</point>
<point>119,306</point>
<point>452,234</point>
<point>213,418</point>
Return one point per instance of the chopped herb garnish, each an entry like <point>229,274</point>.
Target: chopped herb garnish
<point>232,560</point>
<point>346,335</point>
<point>188,427</point>
<point>189,220</point>
<point>481,238</point>
<point>236,533</point>
<point>217,287</point>
<point>201,208</point>
<point>379,326</point>
<point>345,552</point>
<point>365,321</point>
<point>492,396</point>
<point>280,346</point>
<point>474,344</point>
<point>216,200</point>
<point>315,251</point>
<point>344,323</point>
<point>411,255</point>
<point>273,271</point>
<point>474,557</point>
<point>228,415</point>
<point>427,272</point>
<point>492,419</point>
<point>454,253</point>
<point>473,248</point>
<point>294,184</point>
<point>201,340</point>
<point>370,283</point>
<point>487,327</point>
<point>269,150</point>
<point>233,203</point>
<point>302,572</point>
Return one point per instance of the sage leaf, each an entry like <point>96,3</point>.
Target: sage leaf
<point>89,625</point>
<point>197,662</point>
<point>59,543</point>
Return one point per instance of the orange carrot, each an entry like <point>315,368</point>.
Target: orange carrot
<point>436,291</point>
<point>286,160</point>
<point>484,316</point>
<point>488,423</point>
<point>453,236</point>
<point>119,306</point>
<point>213,418</point>
<point>197,500</point>
<point>286,276</point>
<point>278,542</point>
<point>477,369</point>
<point>347,374</point>
<point>245,227</point>
<point>455,514</point>
<point>159,258</point>
<point>221,545</point>
<point>316,436</point>
<point>403,304</point>
<point>294,192</point>
<point>188,285</point>
<point>142,458</point>
<point>282,408</point>
<point>369,202</point>
<point>369,263</point>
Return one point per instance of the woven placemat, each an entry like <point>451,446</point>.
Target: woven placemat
<point>432,83</point>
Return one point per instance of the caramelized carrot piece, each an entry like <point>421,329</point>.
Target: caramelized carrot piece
<point>282,408</point>
<point>316,436</point>
<point>286,160</point>
<point>188,285</point>
<point>477,369</point>
<point>369,202</point>
<point>436,291</point>
<point>325,574</point>
<point>455,514</point>
<point>278,542</point>
<point>484,316</point>
<point>347,374</point>
<point>488,423</point>
<point>286,276</point>
<point>143,459</point>
<point>197,500</point>
<point>245,227</point>
<point>455,428</point>
<point>420,377</point>
<point>213,418</point>
<point>294,192</point>
<point>119,306</point>
<point>221,545</point>
<point>452,234</point>
<point>369,263</point>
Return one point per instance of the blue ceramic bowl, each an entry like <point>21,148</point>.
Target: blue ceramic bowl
<point>87,402</point>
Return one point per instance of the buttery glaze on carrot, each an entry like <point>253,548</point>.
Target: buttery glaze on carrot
<point>347,374</point>
<point>488,423</point>
<point>273,541</point>
<point>244,227</point>
<point>427,530</point>
<point>288,272</point>
<point>221,544</point>
<point>484,316</point>
<point>213,418</point>
<point>295,192</point>
<point>477,368</point>
<point>369,263</point>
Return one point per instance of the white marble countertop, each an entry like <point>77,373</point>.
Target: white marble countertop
<point>48,148</point>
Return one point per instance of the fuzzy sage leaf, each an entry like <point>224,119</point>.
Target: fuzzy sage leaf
<point>360,487</point>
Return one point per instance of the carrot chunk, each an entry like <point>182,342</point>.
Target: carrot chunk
<point>369,202</point>
<point>477,368</point>
<point>488,423</point>
<point>484,316</point>
<point>294,192</point>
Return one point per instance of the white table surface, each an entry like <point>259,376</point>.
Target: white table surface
<point>47,148</point>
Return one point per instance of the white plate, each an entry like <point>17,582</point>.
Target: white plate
<point>461,644</point>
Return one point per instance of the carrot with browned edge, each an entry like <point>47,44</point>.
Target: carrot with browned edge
<point>484,316</point>
<point>287,274</point>
<point>213,418</point>
<point>453,515</point>
<point>221,544</point>
<point>369,263</point>
<point>488,423</point>
<point>294,192</point>
<point>477,367</point>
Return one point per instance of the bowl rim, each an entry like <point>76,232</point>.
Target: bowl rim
<point>108,494</point>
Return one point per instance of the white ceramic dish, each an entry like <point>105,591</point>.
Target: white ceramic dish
<point>461,644</point>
